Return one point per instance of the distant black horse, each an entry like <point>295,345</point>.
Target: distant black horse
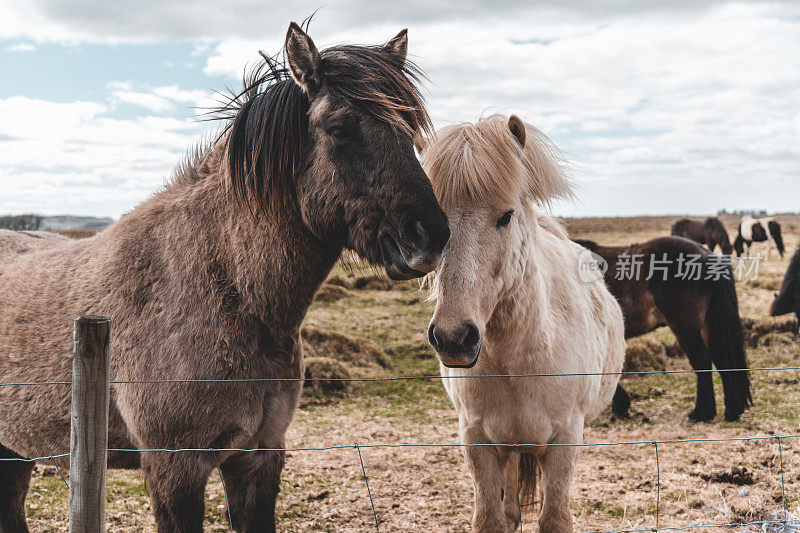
<point>758,230</point>
<point>788,300</point>
<point>693,292</point>
<point>711,232</point>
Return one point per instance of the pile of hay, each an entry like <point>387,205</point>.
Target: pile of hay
<point>331,293</point>
<point>369,282</point>
<point>770,284</point>
<point>643,355</point>
<point>757,329</point>
<point>332,358</point>
<point>354,351</point>
<point>326,377</point>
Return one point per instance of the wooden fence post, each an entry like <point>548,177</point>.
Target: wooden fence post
<point>89,434</point>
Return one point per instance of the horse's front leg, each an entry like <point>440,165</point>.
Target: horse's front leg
<point>558,467</point>
<point>252,482</point>
<point>177,482</point>
<point>511,503</point>
<point>487,466</point>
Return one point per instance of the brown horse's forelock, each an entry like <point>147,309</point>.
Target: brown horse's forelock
<point>267,129</point>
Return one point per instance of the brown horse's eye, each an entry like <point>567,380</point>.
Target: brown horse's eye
<point>339,135</point>
<point>505,219</point>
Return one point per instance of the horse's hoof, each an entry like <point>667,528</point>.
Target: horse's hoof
<point>695,419</point>
<point>619,416</point>
<point>732,418</point>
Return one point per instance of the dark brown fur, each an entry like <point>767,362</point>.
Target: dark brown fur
<point>788,299</point>
<point>211,279</point>
<point>711,232</point>
<point>703,314</point>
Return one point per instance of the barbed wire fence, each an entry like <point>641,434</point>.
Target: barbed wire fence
<point>93,502</point>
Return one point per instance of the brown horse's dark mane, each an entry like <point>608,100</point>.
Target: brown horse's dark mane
<point>266,133</point>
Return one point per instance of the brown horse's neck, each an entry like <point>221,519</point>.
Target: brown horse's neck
<point>265,266</point>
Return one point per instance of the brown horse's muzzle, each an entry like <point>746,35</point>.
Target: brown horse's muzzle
<point>417,248</point>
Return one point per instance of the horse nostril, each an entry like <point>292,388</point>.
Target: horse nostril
<point>471,337</point>
<point>414,234</point>
<point>432,337</point>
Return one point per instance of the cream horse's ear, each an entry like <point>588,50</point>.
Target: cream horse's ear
<point>517,128</point>
<point>420,143</point>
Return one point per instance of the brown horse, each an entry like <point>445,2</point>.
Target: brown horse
<point>711,232</point>
<point>211,278</point>
<point>788,299</point>
<point>693,292</point>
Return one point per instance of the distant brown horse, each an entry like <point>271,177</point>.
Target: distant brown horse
<point>211,278</point>
<point>694,293</point>
<point>711,232</point>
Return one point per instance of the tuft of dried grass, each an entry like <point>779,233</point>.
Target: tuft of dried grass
<point>756,329</point>
<point>331,293</point>
<point>324,377</point>
<point>349,349</point>
<point>642,355</point>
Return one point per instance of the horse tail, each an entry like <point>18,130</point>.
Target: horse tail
<point>726,342</point>
<point>719,234</point>
<point>528,478</point>
<point>775,231</point>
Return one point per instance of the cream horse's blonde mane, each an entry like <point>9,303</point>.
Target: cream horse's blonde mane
<point>483,161</point>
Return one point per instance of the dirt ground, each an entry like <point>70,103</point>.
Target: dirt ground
<point>428,488</point>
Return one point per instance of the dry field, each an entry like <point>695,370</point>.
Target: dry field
<point>428,488</point>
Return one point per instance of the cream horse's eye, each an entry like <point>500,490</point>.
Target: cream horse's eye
<point>505,219</point>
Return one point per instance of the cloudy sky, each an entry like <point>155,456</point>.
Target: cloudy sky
<point>681,109</point>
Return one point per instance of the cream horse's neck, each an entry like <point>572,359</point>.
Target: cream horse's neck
<point>520,320</point>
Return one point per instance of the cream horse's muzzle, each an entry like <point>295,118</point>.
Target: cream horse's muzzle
<point>457,347</point>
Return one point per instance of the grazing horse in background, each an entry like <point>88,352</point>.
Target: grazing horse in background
<point>211,278</point>
<point>694,293</point>
<point>758,230</point>
<point>509,301</point>
<point>711,232</point>
<point>788,299</point>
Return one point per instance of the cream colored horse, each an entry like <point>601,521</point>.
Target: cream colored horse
<point>510,301</point>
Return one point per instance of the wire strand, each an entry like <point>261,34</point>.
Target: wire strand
<point>403,378</point>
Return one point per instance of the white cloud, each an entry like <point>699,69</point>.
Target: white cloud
<point>159,20</point>
<point>641,94</point>
<point>709,96</point>
<point>61,157</point>
<point>20,47</point>
<point>160,99</point>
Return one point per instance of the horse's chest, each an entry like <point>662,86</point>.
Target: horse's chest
<point>505,411</point>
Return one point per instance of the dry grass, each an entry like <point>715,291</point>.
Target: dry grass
<point>77,233</point>
<point>428,488</point>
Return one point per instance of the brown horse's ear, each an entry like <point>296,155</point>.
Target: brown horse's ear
<point>517,128</point>
<point>303,59</point>
<point>398,45</point>
<point>420,142</point>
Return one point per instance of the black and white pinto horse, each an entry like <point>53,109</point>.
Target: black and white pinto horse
<point>758,230</point>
